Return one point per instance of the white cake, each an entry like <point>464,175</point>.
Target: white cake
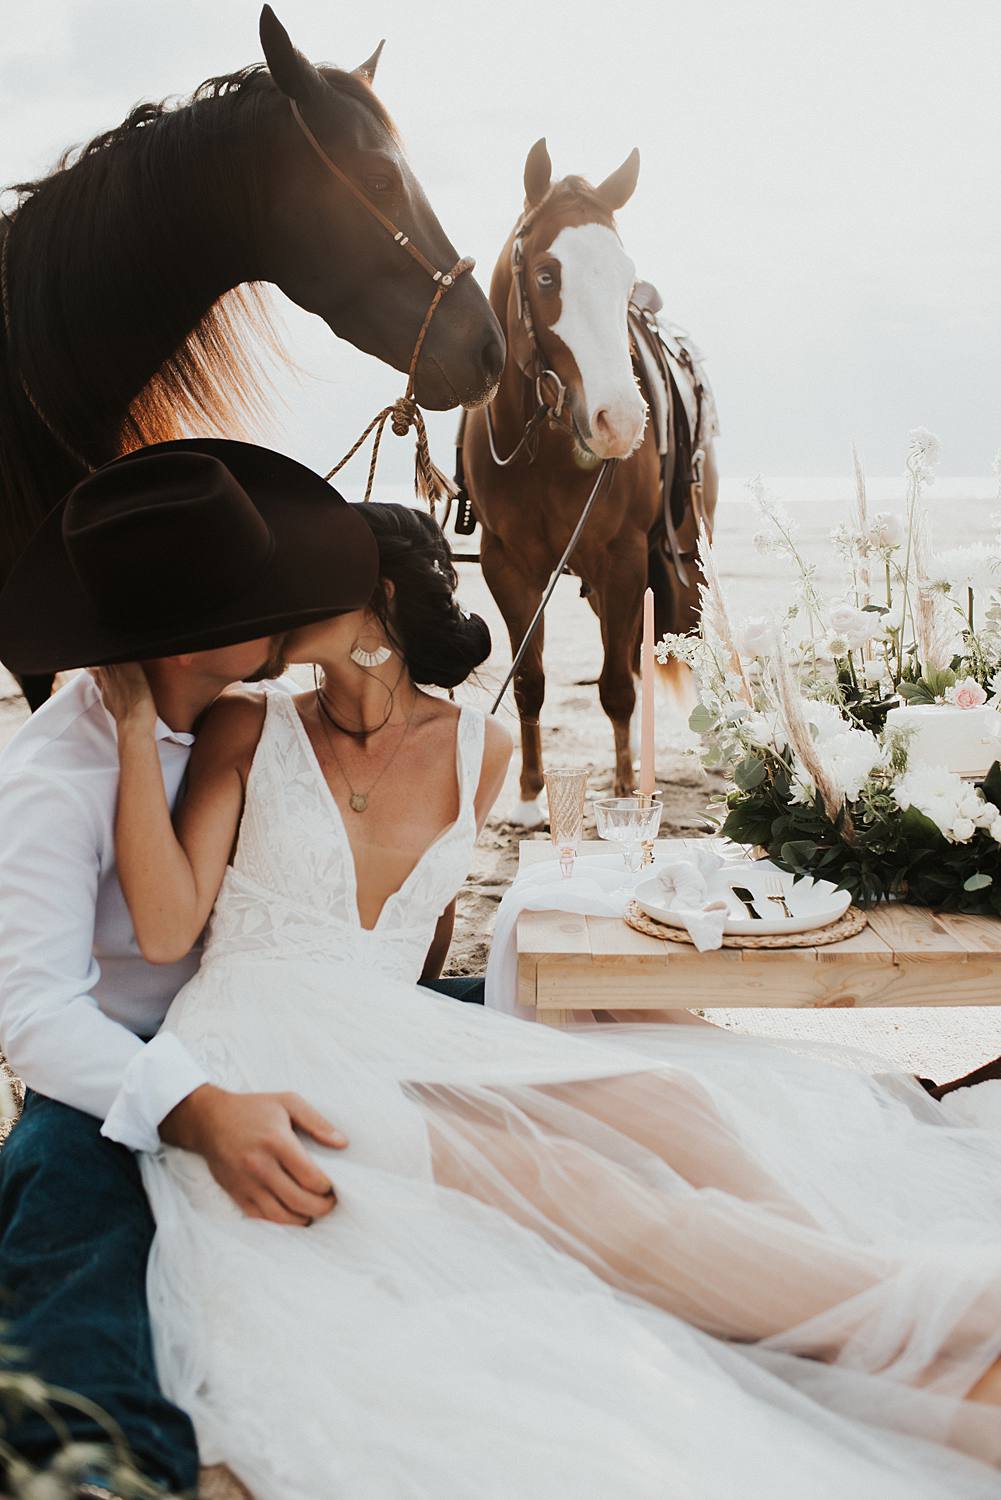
<point>964,740</point>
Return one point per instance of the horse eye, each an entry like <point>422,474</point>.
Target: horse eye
<point>546,279</point>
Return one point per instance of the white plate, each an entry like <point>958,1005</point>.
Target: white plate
<point>813,903</point>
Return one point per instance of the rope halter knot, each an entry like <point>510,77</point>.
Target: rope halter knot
<point>429,481</point>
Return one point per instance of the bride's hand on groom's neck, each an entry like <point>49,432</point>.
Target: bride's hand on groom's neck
<point>252,1151</point>
<point>126,695</point>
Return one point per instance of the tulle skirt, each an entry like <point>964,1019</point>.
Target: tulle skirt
<point>628,1262</point>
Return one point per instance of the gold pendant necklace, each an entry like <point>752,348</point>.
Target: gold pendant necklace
<point>358,801</point>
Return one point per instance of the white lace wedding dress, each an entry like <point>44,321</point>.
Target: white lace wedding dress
<point>642,1262</point>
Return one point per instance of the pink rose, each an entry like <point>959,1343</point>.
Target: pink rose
<point>967,693</point>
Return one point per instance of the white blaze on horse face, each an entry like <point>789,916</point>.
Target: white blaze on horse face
<point>596,278</point>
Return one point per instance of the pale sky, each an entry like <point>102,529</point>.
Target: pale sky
<point>819,200</point>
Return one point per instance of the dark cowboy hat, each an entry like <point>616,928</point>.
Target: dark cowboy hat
<point>183,546</point>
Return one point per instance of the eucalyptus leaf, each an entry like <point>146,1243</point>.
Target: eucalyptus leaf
<point>749,773</point>
<point>700,720</point>
<point>978,882</point>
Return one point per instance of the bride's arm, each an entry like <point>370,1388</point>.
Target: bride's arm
<point>170,878</point>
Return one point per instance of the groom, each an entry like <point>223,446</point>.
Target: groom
<point>194,558</point>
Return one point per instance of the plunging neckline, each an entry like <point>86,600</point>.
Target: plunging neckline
<point>352,867</point>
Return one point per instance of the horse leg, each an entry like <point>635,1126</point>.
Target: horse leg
<point>621,592</point>
<point>518,598</point>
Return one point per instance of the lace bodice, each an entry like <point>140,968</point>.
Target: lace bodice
<point>291,891</point>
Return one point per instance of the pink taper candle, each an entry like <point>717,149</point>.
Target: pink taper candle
<point>648,775</point>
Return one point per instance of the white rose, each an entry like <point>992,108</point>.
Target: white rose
<point>874,673</point>
<point>843,618</point>
<point>963,829</point>
<point>758,636</point>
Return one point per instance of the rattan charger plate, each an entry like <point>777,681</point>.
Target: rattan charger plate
<point>847,926</point>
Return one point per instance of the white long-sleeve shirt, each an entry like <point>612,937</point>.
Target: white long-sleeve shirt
<point>78,1002</point>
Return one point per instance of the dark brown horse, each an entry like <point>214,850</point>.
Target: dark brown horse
<point>566,326</point>
<point>131,274</point>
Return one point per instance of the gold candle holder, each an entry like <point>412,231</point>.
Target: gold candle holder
<point>647,800</point>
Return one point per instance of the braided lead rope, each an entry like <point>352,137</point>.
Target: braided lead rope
<point>430,482</point>
<point>50,427</point>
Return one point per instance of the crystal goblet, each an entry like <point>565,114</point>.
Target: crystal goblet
<point>629,822</point>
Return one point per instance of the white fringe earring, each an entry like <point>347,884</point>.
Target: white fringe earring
<point>376,658</point>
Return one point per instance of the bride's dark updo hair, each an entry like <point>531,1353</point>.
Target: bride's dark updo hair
<point>440,644</point>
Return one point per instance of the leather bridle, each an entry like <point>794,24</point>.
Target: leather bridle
<point>557,411</point>
<point>404,413</point>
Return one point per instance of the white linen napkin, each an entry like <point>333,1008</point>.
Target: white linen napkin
<point>594,891</point>
<point>685,887</point>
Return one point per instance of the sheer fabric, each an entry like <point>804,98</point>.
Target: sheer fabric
<point>634,1261</point>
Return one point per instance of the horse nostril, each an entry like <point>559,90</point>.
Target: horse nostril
<point>600,425</point>
<point>492,356</point>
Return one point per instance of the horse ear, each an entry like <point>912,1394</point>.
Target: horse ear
<point>293,73</point>
<point>538,173</point>
<point>366,70</point>
<point>620,186</point>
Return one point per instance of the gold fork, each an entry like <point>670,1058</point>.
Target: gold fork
<point>773,889</point>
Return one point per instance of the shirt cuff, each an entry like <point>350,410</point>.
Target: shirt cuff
<point>157,1079</point>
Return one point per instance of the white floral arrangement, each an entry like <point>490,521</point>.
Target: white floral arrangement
<point>798,711</point>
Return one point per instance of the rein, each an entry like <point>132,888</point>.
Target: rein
<point>430,482</point>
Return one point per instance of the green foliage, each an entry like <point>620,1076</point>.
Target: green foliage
<point>874,851</point>
<point>930,687</point>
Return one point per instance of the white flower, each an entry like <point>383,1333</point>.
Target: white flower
<point>758,729</point>
<point>923,454</point>
<point>836,646</point>
<point>874,673</point>
<point>951,803</point>
<point>850,542</point>
<point>995,684</point>
<point>757,637</point>
<point>893,619</point>
<point>826,718</point>
<point>972,567</point>
<point>852,757</point>
<point>763,544</point>
<point>857,626</point>
<point>887,530</point>
<point>733,710</point>
<point>996,830</point>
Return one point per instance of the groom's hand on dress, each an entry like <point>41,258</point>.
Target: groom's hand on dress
<point>249,1142</point>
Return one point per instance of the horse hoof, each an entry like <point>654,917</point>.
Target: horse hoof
<point>528,814</point>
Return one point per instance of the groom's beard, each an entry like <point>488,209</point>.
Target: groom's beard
<point>275,664</point>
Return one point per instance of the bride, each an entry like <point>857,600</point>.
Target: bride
<point>638,1262</point>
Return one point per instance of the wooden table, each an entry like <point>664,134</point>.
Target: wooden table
<point>907,955</point>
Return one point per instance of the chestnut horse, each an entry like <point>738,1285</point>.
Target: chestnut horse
<point>129,275</point>
<point>566,326</point>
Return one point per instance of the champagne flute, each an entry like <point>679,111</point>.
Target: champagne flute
<point>565,789</point>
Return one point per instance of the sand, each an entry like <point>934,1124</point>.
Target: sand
<point>938,1042</point>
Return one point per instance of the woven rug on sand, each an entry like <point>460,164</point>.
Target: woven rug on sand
<point>217,1483</point>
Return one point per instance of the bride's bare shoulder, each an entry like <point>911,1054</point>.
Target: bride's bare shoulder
<point>231,728</point>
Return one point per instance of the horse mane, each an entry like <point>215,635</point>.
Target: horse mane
<point>218,377</point>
